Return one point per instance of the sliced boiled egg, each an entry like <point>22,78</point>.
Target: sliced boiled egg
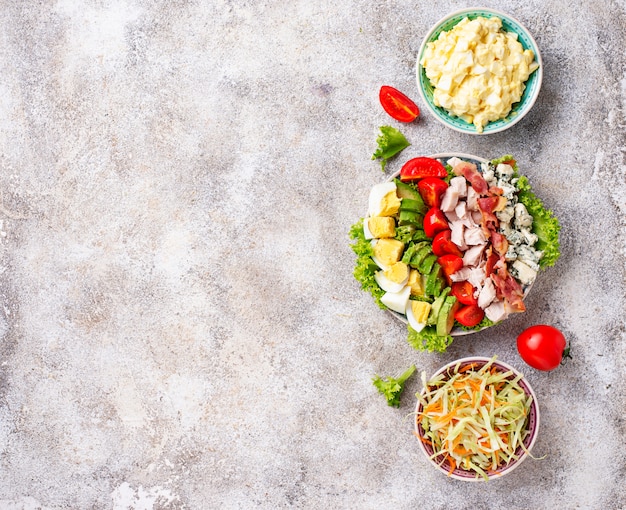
<point>397,301</point>
<point>386,252</point>
<point>366,229</point>
<point>383,200</point>
<point>393,279</point>
<point>386,284</point>
<point>417,313</point>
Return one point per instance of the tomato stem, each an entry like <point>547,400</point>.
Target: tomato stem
<point>566,354</point>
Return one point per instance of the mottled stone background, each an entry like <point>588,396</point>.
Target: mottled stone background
<point>179,324</point>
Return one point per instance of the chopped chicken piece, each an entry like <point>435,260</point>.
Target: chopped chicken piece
<point>450,199</point>
<point>495,311</point>
<point>472,256</point>
<point>460,185</point>
<point>457,236</point>
<point>477,276</point>
<point>487,294</point>
<point>461,210</point>
<point>474,236</point>
<point>461,275</point>
<point>472,199</point>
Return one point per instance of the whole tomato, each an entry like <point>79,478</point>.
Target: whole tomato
<point>542,347</point>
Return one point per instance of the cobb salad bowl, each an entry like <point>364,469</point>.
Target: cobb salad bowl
<point>492,238</point>
<point>518,109</point>
<point>476,419</point>
<point>456,331</point>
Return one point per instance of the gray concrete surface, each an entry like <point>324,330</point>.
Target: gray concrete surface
<point>179,324</point>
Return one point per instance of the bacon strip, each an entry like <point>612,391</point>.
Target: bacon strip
<point>475,178</point>
<point>500,243</point>
<point>488,204</point>
<point>509,289</point>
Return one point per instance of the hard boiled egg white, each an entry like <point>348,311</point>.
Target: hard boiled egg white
<point>393,279</point>
<point>410,316</point>
<point>397,301</point>
<point>383,200</point>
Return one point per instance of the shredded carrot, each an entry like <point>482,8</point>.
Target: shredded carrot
<point>475,418</point>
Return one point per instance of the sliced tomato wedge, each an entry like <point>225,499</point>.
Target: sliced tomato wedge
<point>469,315</point>
<point>434,221</point>
<point>443,245</point>
<point>418,168</point>
<point>450,264</point>
<point>432,189</point>
<point>464,292</point>
<point>397,105</point>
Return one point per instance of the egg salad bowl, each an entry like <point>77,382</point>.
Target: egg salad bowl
<point>479,71</point>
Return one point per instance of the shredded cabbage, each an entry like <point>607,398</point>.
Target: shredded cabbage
<point>476,419</point>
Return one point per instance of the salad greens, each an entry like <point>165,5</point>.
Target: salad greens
<point>365,267</point>
<point>391,387</point>
<point>390,142</point>
<point>428,340</point>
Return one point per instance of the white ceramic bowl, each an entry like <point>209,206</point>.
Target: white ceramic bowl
<point>533,84</point>
<point>532,424</point>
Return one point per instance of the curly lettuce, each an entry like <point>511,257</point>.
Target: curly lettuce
<point>392,387</point>
<point>428,340</point>
<point>365,267</point>
<point>390,142</point>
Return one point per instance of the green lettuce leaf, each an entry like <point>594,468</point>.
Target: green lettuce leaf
<point>365,267</point>
<point>428,340</point>
<point>392,387</point>
<point>390,142</point>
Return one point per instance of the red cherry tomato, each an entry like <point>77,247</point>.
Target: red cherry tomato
<point>396,104</point>
<point>464,292</point>
<point>442,244</point>
<point>431,189</point>
<point>450,264</point>
<point>434,221</point>
<point>542,347</point>
<point>469,315</point>
<point>418,168</point>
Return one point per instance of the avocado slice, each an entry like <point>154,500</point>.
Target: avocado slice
<point>406,190</point>
<point>423,252</point>
<point>408,204</point>
<point>436,306</point>
<point>407,217</point>
<point>445,319</point>
<point>409,252</point>
<point>426,265</point>
<point>432,279</point>
<point>440,284</point>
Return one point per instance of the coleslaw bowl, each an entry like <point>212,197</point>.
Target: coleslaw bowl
<point>530,427</point>
<point>533,84</point>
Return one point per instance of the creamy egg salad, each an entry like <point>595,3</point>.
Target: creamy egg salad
<point>478,70</point>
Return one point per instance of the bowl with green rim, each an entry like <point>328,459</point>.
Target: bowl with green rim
<point>532,85</point>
